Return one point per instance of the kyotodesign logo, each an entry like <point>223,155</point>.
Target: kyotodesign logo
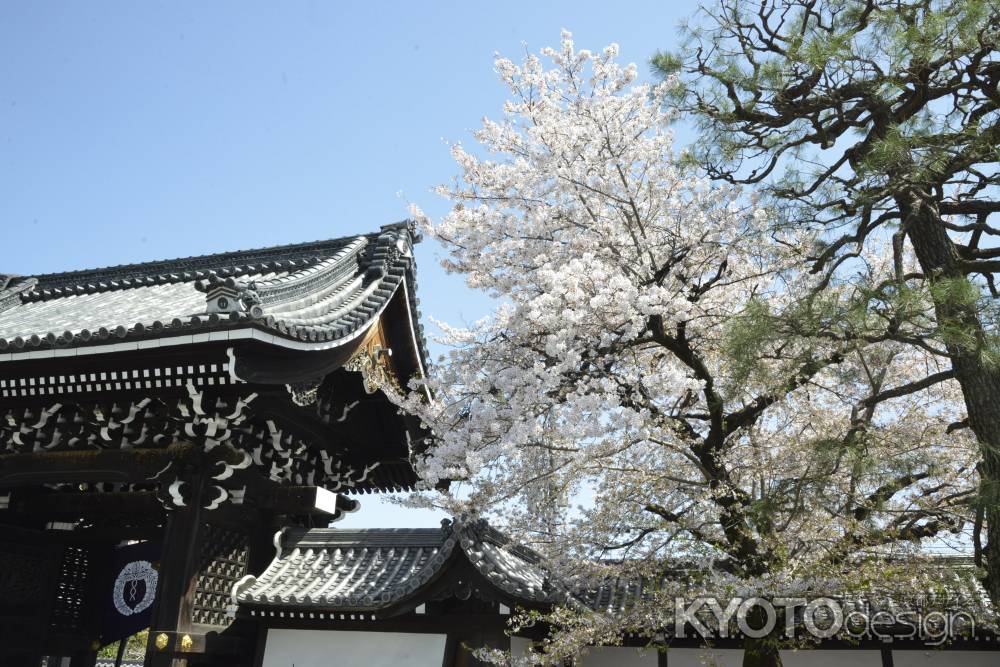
<point>821,618</point>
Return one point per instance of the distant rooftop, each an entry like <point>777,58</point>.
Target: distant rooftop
<point>389,572</point>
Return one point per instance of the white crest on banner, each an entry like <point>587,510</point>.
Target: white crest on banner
<point>127,583</point>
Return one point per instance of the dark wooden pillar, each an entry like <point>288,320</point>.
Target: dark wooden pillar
<point>179,564</point>
<point>261,541</point>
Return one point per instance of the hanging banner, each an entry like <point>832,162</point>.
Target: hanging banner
<point>131,592</point>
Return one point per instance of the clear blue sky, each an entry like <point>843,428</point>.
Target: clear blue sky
<point>134,131</point>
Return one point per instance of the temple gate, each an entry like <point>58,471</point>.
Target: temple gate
<point>194,406</point>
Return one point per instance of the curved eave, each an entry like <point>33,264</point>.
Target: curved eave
<point>239,329</point>
<point>473,548</point>
<point>397,601</point>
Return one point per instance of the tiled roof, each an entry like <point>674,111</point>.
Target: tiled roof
<point>299,295</point>
<point>370,570</point>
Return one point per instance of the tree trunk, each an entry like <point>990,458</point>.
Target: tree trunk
<point>979,379</point>
<point>760,653</point>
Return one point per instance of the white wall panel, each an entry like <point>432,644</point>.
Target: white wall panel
<point>604,656</point>
<point>618,656</point>
<point>678,657</point>
<point>322,648</point>
<point>519,646</point>
<point>821,658</point>
<point>716,657</point>
<point>945,658</point>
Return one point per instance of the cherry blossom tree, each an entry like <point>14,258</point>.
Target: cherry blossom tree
<point>665,378</point>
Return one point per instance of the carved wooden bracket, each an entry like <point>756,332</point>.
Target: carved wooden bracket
<point>373,360</point>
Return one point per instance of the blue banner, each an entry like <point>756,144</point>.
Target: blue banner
<point>131,593</point>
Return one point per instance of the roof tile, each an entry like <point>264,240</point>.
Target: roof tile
<point>316,292</point>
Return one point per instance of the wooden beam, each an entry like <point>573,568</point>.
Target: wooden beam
<point>55,506</point>
<point>76,505</point>
<point>111,465</point>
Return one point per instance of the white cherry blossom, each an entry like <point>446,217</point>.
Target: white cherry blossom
<point>663,378</point>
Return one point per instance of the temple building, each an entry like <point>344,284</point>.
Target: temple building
<point>177,437</point>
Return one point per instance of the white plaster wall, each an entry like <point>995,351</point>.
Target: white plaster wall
<point>716,657</point>
<point>945,658</point>
<point>821,658</point>
<point>602,656</point>
<point>618,656</point>
<point>685,657</point>
<point>519,646</point>
<point>322,648</point>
